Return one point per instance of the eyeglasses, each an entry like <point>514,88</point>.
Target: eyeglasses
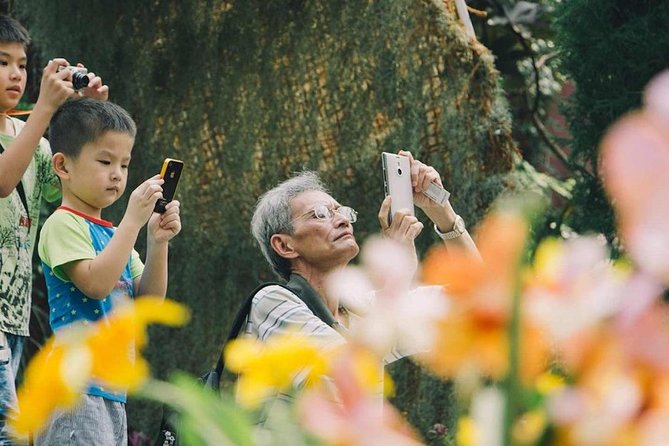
<point>322,212</point>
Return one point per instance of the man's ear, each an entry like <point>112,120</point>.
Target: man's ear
<point>59,163</point>
<point>282,245</point>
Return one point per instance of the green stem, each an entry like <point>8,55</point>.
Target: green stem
<point>512,383</point>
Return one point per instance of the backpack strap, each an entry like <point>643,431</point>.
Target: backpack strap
<point>301,288</point>
<point>240,320</point>
<point>296,285</point>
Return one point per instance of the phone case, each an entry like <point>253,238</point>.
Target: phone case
<point>170,172</point>
<point>397,182</point>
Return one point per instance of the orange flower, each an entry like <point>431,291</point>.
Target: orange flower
<point>501,240</point>
<point>474,335</point>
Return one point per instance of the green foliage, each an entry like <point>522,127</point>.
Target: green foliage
<point>246,92</point>
<point>610,49</point>
<point>207,418</point>
<point>521,36</point>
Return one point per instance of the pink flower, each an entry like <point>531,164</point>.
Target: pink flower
<point>635,161</point>
<point>392,315</point>
<point>357,416</point>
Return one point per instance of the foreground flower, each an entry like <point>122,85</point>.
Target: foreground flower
<point>112,343</point>
<point>608,405</point>
<point>484,424</point>
<point>274,366</point>
<point>635,161</point>
<point>105,351</point>
<point>394,319</point>
<point>353,412</point>
<point>620,390</point>
<point>571,289</point>
<point>474,334</point>
<point>54,379</point>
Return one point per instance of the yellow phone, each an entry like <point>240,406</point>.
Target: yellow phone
<point>170,172</point>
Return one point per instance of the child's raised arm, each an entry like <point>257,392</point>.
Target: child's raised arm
<point>54,90</point>
<point>162,228</point>
<point>97,277</point>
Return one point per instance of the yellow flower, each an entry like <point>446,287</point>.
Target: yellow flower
<point>548,262</point>
<point>466,434</point>
<point>274,366</point>
<point>548,383</point>
<point>53,380</point>
<point>368,373</point>
<point>105,351</point>
<point>114,344</point>
<point>529,427</point>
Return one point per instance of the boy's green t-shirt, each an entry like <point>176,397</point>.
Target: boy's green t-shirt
<point>17,238</point>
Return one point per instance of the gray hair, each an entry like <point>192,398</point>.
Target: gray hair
<point>273,215</point>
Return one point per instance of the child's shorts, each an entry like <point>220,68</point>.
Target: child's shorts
<point>94,422</point>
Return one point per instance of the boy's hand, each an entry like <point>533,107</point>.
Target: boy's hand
<point>163,227</point>
<point>55,87</point>
<point>142,200</point>
<point>95,89</point>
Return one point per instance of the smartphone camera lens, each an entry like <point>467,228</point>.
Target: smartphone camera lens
<point>399,172</point>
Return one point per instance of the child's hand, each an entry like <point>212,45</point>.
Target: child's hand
<point>95,89</point>
<point>163,227</point>
<point>55,87</point>
<point>142,200</point>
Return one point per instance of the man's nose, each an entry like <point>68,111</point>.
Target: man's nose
<point>340,219</point>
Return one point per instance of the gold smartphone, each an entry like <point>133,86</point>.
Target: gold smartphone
<point>170,172</point>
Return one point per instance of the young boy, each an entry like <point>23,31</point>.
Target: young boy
<point>91,266</point>
<point>25,177</point>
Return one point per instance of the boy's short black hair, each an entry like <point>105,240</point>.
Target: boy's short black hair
<point>80,121</point>
<point>12,31</point>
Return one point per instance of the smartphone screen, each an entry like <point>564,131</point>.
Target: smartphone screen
<point>170,172</point>
<point>397,182</point>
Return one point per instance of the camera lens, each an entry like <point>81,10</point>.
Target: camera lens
<point>399,172</point>
<point>79,80</point>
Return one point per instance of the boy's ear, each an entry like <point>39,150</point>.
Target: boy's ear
<point>282,245</point>
<point>59,162</point>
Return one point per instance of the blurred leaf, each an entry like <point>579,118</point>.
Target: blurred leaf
<point>204,417</point>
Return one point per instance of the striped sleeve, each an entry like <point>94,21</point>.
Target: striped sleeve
<point>276,310</point>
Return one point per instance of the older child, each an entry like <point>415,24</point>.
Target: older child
<point>25,177</point>
<point>90,266</point>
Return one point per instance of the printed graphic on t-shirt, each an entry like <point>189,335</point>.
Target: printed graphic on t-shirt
<point>17,237</point>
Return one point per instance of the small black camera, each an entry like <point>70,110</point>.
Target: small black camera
<point>79,76</point>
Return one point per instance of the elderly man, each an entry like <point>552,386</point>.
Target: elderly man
<point>305,234</point>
